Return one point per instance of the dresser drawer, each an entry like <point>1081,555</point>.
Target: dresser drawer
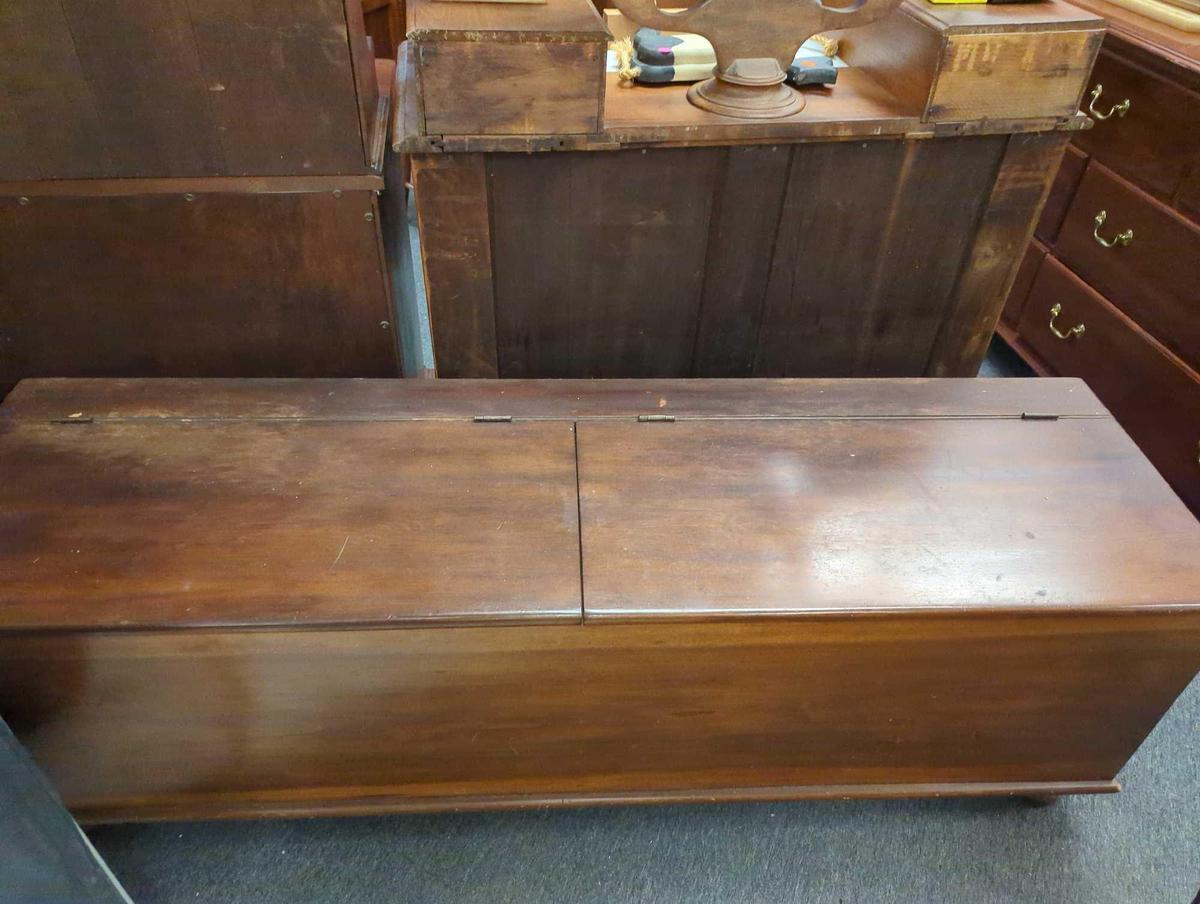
<point>1155,279</point>
<point>1153,395</point>
<point>1157,141</point>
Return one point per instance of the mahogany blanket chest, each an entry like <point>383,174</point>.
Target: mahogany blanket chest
<point>236,597</point>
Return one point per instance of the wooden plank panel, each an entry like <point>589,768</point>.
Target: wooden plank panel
<point>349,720</point>
<point>1024,74</point>
<point>511,89</point>
<point>861,278</point>
<point>1014,304</point>
<point>452,201</point>
<point>570,399</point>
<point>221,285</point>
<point>281,83</point>
<point>697,519</point>
<point>135,525</point>
<point>749,196</point>
<point>48,122</point>
<point>139,58</point>
<point>1020,189</point>
<point>600,260</point>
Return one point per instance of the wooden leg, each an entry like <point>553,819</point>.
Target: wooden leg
<point>1041,800</point>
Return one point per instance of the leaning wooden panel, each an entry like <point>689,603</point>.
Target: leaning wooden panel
<point>202,724</point>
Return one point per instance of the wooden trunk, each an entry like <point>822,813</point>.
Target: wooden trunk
<point>255,597</point>
<point>876,233</point>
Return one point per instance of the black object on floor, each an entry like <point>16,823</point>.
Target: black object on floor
<point>43,855</point>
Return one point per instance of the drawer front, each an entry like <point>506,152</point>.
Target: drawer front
<point>1157,141</point>
<point>1155,279</point>
<point>1155,398</point>
<point>1026,273</point>
<point>1074,162</point>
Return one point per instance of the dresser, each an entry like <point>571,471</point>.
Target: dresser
<point>571,227</point>
<point>1109,288</point>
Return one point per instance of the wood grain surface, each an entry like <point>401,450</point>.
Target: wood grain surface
<point>172,88</point>
<point>701,519</point>
<point>54,399</point>
<point>251,723</point>
<point>221,284</point>
<point>231,522</point>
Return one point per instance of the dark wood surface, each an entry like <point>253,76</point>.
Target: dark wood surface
<point>224,284</point>
<point>902,533</point>
<point>55,399</point>
<point>1152,392</point>
<point>680,261</point>
<point>1026,273</point>
<point>286,522</point>
<point>771,518</point>
<point>1156,278</point>
<point>1157,142</point>
<point>1141,348</point>
<point>255,723</point>
<point>179,88</point>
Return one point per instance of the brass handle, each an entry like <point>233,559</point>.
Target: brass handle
<point>1118,109</point>
<point>1076,330</point>
<point>1122,238</point>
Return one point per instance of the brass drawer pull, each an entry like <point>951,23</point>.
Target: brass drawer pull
<point>1076,330</point>
<point>1122,238</point>
<point>1119,109</point>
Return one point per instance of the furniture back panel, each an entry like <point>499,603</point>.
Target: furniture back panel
<point>219,285</point>
<point>170,88</point>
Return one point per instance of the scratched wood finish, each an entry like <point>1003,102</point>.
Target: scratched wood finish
<point>159,484</point>
<point>53,399</point>
<point>693,520</point>
<point>599,261</point>
<point>1022,185</point>
<point>255,723</point>
<point>681,262</point>
<point>220,285</point>
<point>862,277</point>
<point>284,522</point>
<point>163,88</point>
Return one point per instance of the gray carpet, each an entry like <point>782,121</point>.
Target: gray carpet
<point>1139,846</point>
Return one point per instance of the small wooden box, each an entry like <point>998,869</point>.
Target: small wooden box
<point>509,68</point>
<point>990,62</point>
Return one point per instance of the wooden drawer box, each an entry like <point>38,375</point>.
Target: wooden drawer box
<point>1070,171</point>
<point>246,598</point>
<point>1155,279</point>
<point>1154,395</point>
<point>509,68</point>
<point>1157,141</point>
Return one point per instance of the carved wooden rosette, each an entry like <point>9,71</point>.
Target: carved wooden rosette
<point>755,42</point>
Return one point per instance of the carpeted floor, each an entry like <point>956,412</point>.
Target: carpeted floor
<point>1138,847</point>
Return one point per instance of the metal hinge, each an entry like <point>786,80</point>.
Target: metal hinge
<point>1037,416</point>
<point>656,418</point>
<point>493,418</point>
